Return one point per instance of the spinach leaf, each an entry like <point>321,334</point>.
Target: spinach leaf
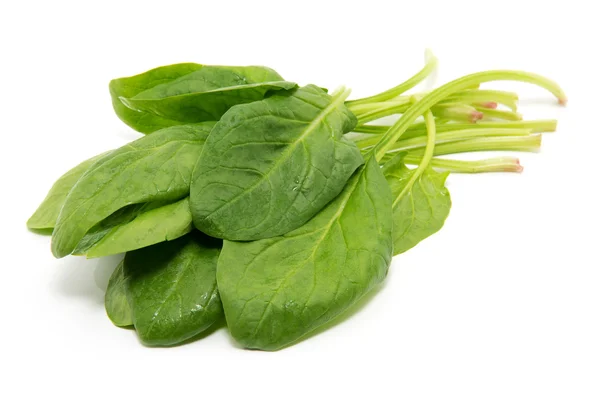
<point>115,299</point>
<point>157,167</point>
<point>276,290</point>
<point>118,218</point>
<point>128,87</point>
<point>421,210</point>
<point>271,165</point>
<point>47,213</point>
<point>172,289</point>
<point>137,226</point>
<point>189,93</point>
<point>153,226</point>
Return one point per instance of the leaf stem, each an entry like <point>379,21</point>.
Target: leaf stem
<point>452,87</point>
<point>419,128</point>
<point>505,143</point>
<point>427,156</point>
<point>499,114</point>
<point>421,141</point>
<point>457,112</point>
<point>496,164</point>
<point>508,99</point>
<point>430,66</point>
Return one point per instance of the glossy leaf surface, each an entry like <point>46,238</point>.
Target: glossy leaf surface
<point>157,167</point>
<point>172,289</point>
<point>189,93</point>
<point>276,290</point>
<point>271,165</point>
<point>47,213</point>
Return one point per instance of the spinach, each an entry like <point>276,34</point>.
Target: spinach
<point>157,167</point>
<point>189,93</point>
<point>45,216</point>
<point>115,300</point>
<point>271,165</point>
<point>128,87</point>
<point>419,210</point>
<point>309,225</point>
<point>172,289</point>
<point>135,227</point>
<point>276,290</point>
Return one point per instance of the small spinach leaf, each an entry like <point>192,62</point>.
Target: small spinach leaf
<point>420,212</point>
<point>271,165</point>
<point>276,290</point>
<point>172,289</point>
<point>151,224</point>
<point>128,87</point>
<point>115,301</point>
<point>189,93</point>
<point>157,167</point>
<point>47,213</point>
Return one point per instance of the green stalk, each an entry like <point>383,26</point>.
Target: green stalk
<point>508,99</point>
<point>452,87</point>
<point>509,143</point>
<point>496,164</point>
<point>499,114</point>
<point>457,112</point>
<point>380,110</point>
<point>430,65</point>
<point>427,156</point>
<point>444,137</point>
<point>419,128</point>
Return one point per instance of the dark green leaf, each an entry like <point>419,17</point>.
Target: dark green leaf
<point>271,165</point>
<point>47,213</point>
<point>137,226</point>
<point>189,93</point>
<point>172,289</point>
<point>115,300</point>
<point>276,290</point>
<point>157,167</point>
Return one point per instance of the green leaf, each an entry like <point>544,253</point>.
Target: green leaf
<point>47,213</point>
<point>172,289</point>
<point>276,290</point>
<point>115,299</point>
<point>422,210</point>
<point>128,87</point>
<point>271,165</point>
<point>135,227</point>
<point>189,93</point>
<point>157,167</point>
<point>164,223</point>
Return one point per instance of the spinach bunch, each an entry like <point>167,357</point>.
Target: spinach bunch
<point>266,205</point>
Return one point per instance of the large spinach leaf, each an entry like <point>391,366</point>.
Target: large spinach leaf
<point>157,167</point>
<point>47,213</point>
<point>419,210</point>
<point>271,165</point>
<point>172,289</point>
<point>135,227</point>
<point>115,300</point>
<point>276,290</point>
<point>189,93</point>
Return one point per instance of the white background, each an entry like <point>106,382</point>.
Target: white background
<point>504,301</point>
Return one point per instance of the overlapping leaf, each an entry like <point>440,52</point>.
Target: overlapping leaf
<point>172,289</point>
<point>271,165</point>
<point>276,290</point>
<point>189,93</point>
<point>157,167</point>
